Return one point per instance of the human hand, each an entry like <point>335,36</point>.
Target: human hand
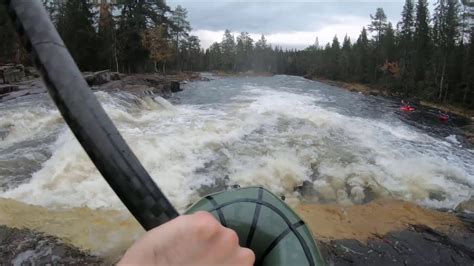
<point>197,239</point>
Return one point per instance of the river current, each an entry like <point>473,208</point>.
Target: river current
<point>290,135</point>
<point>300,139</point>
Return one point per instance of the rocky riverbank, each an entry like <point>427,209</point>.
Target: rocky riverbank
<point>376,91</point>
<point>140,84</point>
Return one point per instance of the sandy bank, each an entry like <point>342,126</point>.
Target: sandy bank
<point>373,220</point>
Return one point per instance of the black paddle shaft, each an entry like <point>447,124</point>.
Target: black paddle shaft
<point>86,117</point>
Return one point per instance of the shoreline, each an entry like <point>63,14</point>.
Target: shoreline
<point>370,90</point>
<point>335,228</point>
<point>105,80</point>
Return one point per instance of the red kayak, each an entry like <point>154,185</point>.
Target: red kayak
<point>443,117</point>
<point>407,108</point>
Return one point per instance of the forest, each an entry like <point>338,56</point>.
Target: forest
<point>427,56</point>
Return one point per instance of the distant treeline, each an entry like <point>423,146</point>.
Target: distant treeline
<point>430,57</point>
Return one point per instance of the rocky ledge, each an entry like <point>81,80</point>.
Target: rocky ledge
<point>417,245</point>
<point>29,83</point>
<point>26,247</point>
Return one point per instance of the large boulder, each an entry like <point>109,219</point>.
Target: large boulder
<point>175,86</point>
<point>12,74</point>
<point>99,77</point>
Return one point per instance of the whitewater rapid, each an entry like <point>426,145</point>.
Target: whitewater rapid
<point>278,132</point>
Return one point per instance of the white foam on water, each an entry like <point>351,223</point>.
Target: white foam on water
<point>276,139</point>
<point>28,123</point>
<point>452,139</point>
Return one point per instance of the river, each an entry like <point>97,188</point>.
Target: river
<point>301,139</point>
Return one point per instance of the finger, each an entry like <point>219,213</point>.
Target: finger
<point>247,256</point>
<point>226,242</point>
<point>203,226</point>
<point>243,257</point>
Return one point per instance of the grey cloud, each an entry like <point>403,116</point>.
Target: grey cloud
<point>277,16</point>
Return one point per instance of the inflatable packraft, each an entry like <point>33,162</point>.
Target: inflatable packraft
<point>264,224</point>
<point>407,108</point>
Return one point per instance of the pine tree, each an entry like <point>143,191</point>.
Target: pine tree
<point>378,24</point>
<point>228,51</point>
<point>75,25</point>
<point>137,16</point>
<point>333,58</point>
<point>132,24</point>
<point>422,41</point>
<point>8,39</point>
<point>262,55</point>
<point>447,32</point>
<point>107,39</point>
<point>346,58</point>
<point>180,30</point>
<point>468,94</point>
<point>215,57</point>
<point>388,43</point>
<point>406,32</point>
<point>362,54</point>
<point>407,23</point>
<point>191,54</point>
<point>244,52</point>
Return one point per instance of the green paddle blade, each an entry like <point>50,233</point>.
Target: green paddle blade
<point>265,224</point>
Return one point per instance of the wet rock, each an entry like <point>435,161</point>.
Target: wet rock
<point>466,206</point>
<point>22,92</point>
<point>11,73</point>
<point>144,84</point>
<point>437,195</point>
<point>306,190</point>
<point>175,86</point>
<point>26,247</point>
<point>98,78</point>
<point>468,132</point>
<point>32,72</point>
<point>4,89</point>
<point>418,245</point>
<point>4,132</point>
<point>14,95</point>
<point>137,88</point>
<point>115,76</point>
<point>315,175</point>
<point>374,92</point>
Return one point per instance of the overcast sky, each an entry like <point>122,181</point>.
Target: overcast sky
<point>291,23</point>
